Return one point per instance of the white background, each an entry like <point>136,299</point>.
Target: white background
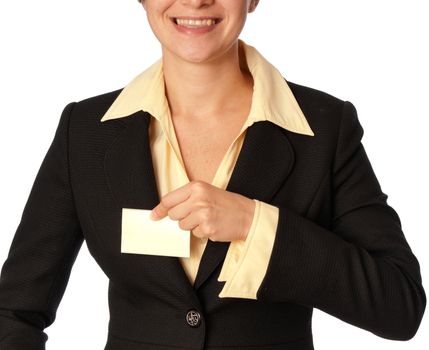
<point>372,53</point>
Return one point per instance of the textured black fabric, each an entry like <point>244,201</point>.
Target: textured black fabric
<point>339,246</point>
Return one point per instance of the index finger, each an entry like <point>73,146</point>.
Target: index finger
<point>170,200</point>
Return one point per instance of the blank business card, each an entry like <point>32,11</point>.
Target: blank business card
<point>142,235</point>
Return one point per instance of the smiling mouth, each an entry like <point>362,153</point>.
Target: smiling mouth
<point>196,23</point>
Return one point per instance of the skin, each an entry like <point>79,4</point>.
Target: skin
<point>196,66</point>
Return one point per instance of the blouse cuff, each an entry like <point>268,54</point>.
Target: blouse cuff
<point>246,262</point>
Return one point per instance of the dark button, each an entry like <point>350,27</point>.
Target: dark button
<point>193,318</point>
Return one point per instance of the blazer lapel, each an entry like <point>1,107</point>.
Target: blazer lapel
<point>262,166</point>
<point>264,162</point>
<point>128,164</point>
<point>130,175</point>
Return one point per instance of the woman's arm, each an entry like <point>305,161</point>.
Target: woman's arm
<point>362,271</point>
<point>35,274</point>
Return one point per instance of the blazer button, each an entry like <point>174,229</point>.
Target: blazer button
<point>193,318</point>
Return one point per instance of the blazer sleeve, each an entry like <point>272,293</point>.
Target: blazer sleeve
<point>47,240</point>
<point>361,268</point>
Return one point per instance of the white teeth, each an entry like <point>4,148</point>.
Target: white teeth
<point>195,22</point>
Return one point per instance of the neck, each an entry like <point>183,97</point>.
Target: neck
<point>201,90</point>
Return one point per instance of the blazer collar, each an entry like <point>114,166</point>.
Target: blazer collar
<point>272,98</point>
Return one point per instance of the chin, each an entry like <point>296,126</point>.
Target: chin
<point>200,53</point>
<point>195,55</point>
<point>196,58</point>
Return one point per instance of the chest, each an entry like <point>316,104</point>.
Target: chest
<point>204,145</point>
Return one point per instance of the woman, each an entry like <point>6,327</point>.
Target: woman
<point>270,177</point>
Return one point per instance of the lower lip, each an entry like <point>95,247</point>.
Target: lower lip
<point>195,30</point>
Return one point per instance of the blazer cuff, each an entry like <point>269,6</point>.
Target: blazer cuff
<point>246,262</point>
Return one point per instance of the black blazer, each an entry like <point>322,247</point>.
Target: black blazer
<point>339,246</point>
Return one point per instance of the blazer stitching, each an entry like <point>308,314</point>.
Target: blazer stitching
<point>106,172</point>
<point>316,192</point>
<point>65,257</point>
<point>68,159</point>
<point>338,136</point>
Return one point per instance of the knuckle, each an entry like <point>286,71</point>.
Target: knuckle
<point>197,185</point>
<point>207,228</point>
<point>206,215</point>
